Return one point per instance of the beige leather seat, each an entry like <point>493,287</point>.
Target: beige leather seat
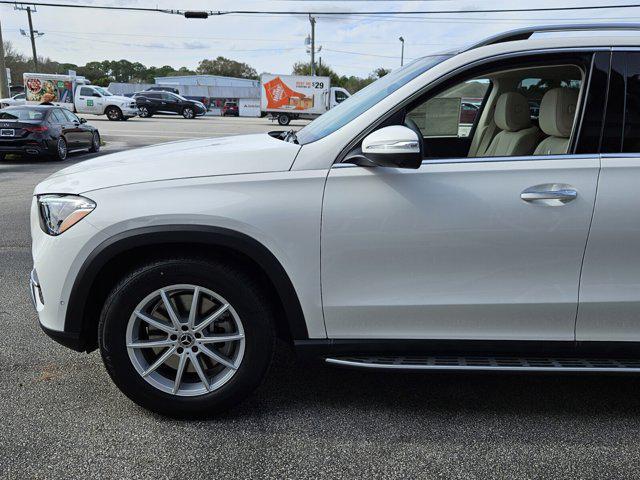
<point>517,136</point>
<point>557,111</point>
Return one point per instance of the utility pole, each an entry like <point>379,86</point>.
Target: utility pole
<point>32,34</point>
<point>402,51</point>
<point>313,45</point>
<point>4,87</point>
<point>33,41</point>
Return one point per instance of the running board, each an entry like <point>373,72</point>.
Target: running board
<point>513,364</point>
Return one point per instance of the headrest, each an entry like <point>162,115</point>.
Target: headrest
<point>512,112</point>
<point>557,109</point>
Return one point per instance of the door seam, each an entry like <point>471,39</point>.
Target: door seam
<point>584,252</point>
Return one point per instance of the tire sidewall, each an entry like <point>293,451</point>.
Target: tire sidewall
<point>255,318</point>
<point>284,120</point>
<point>95,145</point>
<point>116,116</point>
<point>57,156</point>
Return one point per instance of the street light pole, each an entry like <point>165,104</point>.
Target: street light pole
<point>402,51</point>
<point>4,87</point>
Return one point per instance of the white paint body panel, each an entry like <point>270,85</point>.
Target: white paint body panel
<point>610,288</point>
<point>451,251</point>
<point>280,211</point>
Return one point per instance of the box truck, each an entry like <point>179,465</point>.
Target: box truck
<point>288,97</point>
<point>77,95</point>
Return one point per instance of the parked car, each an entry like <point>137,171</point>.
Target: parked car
<point>45,131</point>
<point>230,108</point>
<point>376,237</point>
<point>468,112</point>
<point>18,99</point>
<point>152,103</point>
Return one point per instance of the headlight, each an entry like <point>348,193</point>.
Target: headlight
<point>59,213</point>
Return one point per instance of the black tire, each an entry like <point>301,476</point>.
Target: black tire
<point>114,114</point>
<point>188,113</point>
<point>145,112</point>
<point>237,287</point>
<point>284,119</point>
<point>62,150</point>
<point>95,143</point>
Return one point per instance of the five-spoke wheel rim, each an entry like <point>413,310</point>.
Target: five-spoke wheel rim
<point>185,340</point>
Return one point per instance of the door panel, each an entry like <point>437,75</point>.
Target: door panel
<point>610,284</point>
<point>452,251</point>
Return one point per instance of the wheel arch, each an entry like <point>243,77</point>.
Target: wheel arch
<point>120,254</point>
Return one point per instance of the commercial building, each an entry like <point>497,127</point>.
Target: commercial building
<point>212,90</point>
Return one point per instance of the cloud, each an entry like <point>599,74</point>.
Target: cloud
<point>195,45</point>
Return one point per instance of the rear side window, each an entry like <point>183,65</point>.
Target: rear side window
<point>631,142</point>
<point>56,116</point>
<point>71,117</point>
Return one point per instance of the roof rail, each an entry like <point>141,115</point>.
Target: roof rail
<point>525,33</point>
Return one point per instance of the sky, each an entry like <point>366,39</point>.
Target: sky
<point>352,45</point>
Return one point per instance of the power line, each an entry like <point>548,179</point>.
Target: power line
<point>332,12</point>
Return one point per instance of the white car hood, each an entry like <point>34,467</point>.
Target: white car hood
<point>257,153</point>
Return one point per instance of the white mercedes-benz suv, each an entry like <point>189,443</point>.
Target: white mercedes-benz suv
<point>472,210</point>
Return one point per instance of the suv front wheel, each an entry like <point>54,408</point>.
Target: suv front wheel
<point>187,337</point>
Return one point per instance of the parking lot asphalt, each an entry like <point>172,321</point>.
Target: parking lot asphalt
<point>61,416</point>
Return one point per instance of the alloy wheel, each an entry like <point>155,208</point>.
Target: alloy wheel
<point>62,148</point>
<point>185,340</point>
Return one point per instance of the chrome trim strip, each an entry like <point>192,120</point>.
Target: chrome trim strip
<point>620,155</point>
<point>356,364</point>
<point>526,158</point>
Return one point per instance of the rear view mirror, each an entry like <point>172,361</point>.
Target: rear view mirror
<point>393,146</point>
<point>83,120</point>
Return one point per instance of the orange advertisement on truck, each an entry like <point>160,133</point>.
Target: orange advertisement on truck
<point>288,97</point>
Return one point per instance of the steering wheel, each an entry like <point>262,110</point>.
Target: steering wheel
<point>413,126</point>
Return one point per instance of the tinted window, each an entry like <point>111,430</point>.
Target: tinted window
<point>21,114</point>
<point>341,96</point>
<point>86,92</point>
<point>71,117</point>
<point>632,118</point>
<point>57,116</point>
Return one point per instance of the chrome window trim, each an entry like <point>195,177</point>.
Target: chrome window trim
<point>522,158</point>
<point>358,138</point>
<point>621,155</point>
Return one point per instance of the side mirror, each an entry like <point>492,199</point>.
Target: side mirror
<point>83,120</point>
<point>395,146</point>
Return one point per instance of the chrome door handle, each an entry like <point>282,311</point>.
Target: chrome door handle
<point>549,194</point>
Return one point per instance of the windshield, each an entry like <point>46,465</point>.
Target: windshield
<point>104,92</point>
<point>21,114</point>
<point>366,98</point>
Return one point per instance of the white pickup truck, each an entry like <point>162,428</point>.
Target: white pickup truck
<point>76,95</point>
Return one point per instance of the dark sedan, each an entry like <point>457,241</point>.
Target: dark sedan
<point>46,131</point>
